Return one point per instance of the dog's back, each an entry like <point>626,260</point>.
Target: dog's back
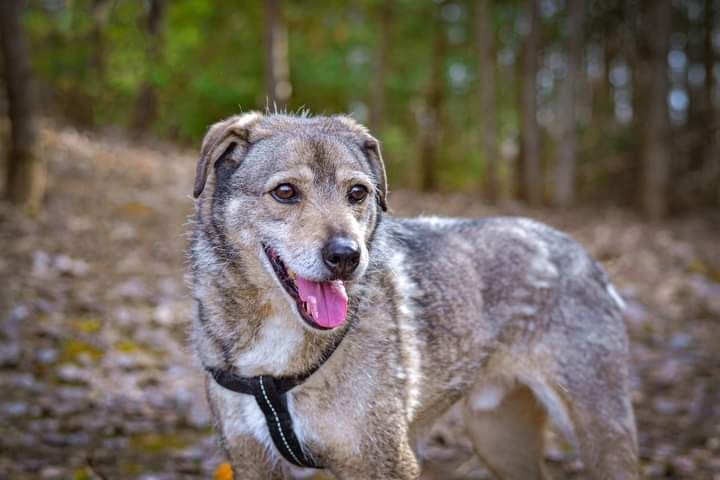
<point>538,328</point>
<point>520,281</point>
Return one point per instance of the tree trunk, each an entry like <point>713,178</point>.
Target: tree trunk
<point>532,174</point>
<point>604,97</point>
<point>377,104</point>
<point>100,12</point>
<point>656,135</point>
<point>694,53</point>
<point>147,105</point>
<point>277,66</point>
<point>431,121</point>
<point>709,19</point>
<point>564,192</point>
<point>635,48</point>
<point>25,184</point>
<point>488,108</point>
<point>711,154</point>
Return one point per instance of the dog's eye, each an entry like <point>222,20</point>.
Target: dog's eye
<point>357,193</point>
<point>285,193</point>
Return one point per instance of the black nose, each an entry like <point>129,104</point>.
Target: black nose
<point>341,255</point>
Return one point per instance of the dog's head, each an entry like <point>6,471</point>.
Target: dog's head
<point>299,197</point>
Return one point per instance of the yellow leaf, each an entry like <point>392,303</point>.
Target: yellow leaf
<point>223,472</point>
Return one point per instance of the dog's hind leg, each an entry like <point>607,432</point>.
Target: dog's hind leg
<point>600,410</point>
<point>506,426</point>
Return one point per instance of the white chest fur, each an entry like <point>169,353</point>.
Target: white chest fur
<point>278,340</point>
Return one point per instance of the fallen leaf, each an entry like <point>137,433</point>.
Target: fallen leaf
<point>223,472</point>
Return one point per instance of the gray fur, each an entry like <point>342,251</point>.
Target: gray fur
<point>506,314</point>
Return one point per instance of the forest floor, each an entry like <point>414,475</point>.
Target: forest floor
<point>97,379</point>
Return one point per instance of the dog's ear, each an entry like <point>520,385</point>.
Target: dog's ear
<point>371,148</point>
<point>218,140</point>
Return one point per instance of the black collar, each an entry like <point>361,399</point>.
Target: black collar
<point>270,395</point>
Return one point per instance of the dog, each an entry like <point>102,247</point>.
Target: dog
<point>333,333</point>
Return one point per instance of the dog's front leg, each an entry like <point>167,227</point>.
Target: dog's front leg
<point>250,460</point>
<point>238,420</point>
<point>386,459</point>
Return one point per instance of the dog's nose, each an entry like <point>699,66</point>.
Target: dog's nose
<point>341,255</point>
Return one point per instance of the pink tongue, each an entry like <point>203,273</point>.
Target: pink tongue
<point>327,301</point>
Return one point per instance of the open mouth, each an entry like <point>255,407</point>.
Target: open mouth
<point>322,305</point>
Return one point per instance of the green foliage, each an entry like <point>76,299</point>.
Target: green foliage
<point>211,61</point>
<point>208,63</point>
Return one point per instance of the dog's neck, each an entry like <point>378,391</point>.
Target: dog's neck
<point>281,345</point>
<point>275,346</point>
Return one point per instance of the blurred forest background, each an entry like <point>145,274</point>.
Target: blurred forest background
<point>548,101</point>
<point>600,117</point>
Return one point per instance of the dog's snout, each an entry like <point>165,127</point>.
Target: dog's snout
<point>341,255</point>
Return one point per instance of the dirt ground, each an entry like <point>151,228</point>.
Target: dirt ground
<point>97,381</point>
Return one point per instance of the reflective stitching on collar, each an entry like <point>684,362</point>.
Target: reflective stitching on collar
<point>277,421</point>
